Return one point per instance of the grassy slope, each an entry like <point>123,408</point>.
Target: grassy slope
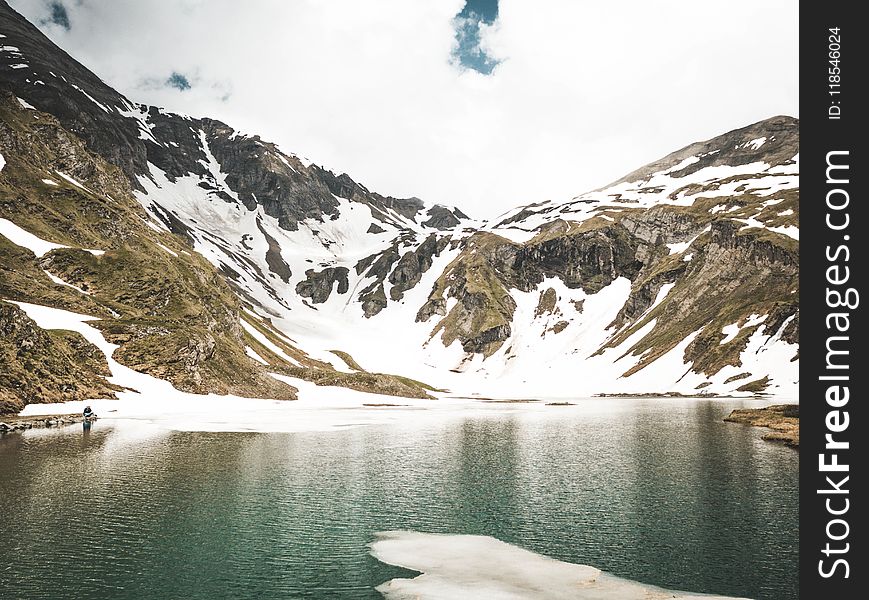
<point>174,317</point>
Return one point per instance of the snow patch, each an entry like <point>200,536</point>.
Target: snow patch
<point>73,181</point>
<point>258,336</point>
<point>92,99</point>
<point>25,239</point>
<point>170,251</point>
<point>679,247</point>
<point>25,104</point>
<point>252,353</point>
<point>731,331</point>
<point>60,281</point>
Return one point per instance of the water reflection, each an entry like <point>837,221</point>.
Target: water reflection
<point>662,492</point>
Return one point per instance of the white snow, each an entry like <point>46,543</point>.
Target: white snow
<point>73,181</point>
<point>138,114</point>
<point>534,362</point>
<point>49,182</point>
<point>789,230</point>
<point>682,164</point>
<point>91,98</point>
<point>255,334</point>
<point>158,227</point>
<point>21,237</point>
<point>320,408</point>
<point>514,234</point>
<point>2,162</point>
<point>60,281</point>
<point>765,354</point>
<point>731,331</point>
<point>252,353</point>
<point>474,566</point>
<point>756,143</point>
<point>170,251</point>
<point>679,247</point>
<point>25,104</point>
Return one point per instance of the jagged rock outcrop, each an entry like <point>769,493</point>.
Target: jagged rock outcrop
<point>319,284</point>
<point>443,217</point>
<point>410,267</point>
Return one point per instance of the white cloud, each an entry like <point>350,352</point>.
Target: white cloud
<point>585,91</point>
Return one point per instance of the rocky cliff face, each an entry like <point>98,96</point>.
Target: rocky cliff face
<point>222,258</point>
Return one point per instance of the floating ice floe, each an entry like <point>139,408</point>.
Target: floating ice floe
<point>482,567</point>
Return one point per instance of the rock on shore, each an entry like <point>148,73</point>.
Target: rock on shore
<point>783,419</point>
<point>14,423</point>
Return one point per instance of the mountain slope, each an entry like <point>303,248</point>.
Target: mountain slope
<point>226,258</point>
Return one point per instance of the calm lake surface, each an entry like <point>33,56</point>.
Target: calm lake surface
<point>659,491</point>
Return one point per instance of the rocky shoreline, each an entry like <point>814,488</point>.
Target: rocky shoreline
<point>783,419</point>
<point>11,423</point>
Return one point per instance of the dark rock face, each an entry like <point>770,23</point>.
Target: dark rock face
<point>130,135</point>
<point>378,266</point>
<point>490,266</point>
<point>318,285</point>
<point>441,217</point>
<point>63,94</point>
<point>273,256</point>
<point>411,266</point>
<point>482,342</point>
<point>589,260</point>
<point>546,302</point>
<point>373,299</point>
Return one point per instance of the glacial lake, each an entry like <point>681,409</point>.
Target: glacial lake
<point>660,491</point>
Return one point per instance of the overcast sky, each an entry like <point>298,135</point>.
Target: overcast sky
<point>485,106</point>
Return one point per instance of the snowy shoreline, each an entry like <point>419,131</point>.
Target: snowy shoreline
<point>319,408</point>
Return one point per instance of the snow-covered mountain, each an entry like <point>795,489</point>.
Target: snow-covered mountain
<point>225,258</point>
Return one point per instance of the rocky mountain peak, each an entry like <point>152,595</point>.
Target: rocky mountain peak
<point>213,259</point>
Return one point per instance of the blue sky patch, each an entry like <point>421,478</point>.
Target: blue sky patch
<point>57,15</point>
<point>178,81</point>
<point>468,52</point>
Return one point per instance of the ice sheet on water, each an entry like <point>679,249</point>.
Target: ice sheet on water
<point>482,567</point>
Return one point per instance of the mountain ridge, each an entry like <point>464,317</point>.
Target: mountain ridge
<point>619,289</point>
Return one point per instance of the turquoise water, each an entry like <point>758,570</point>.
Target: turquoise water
<point>659,491</point>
